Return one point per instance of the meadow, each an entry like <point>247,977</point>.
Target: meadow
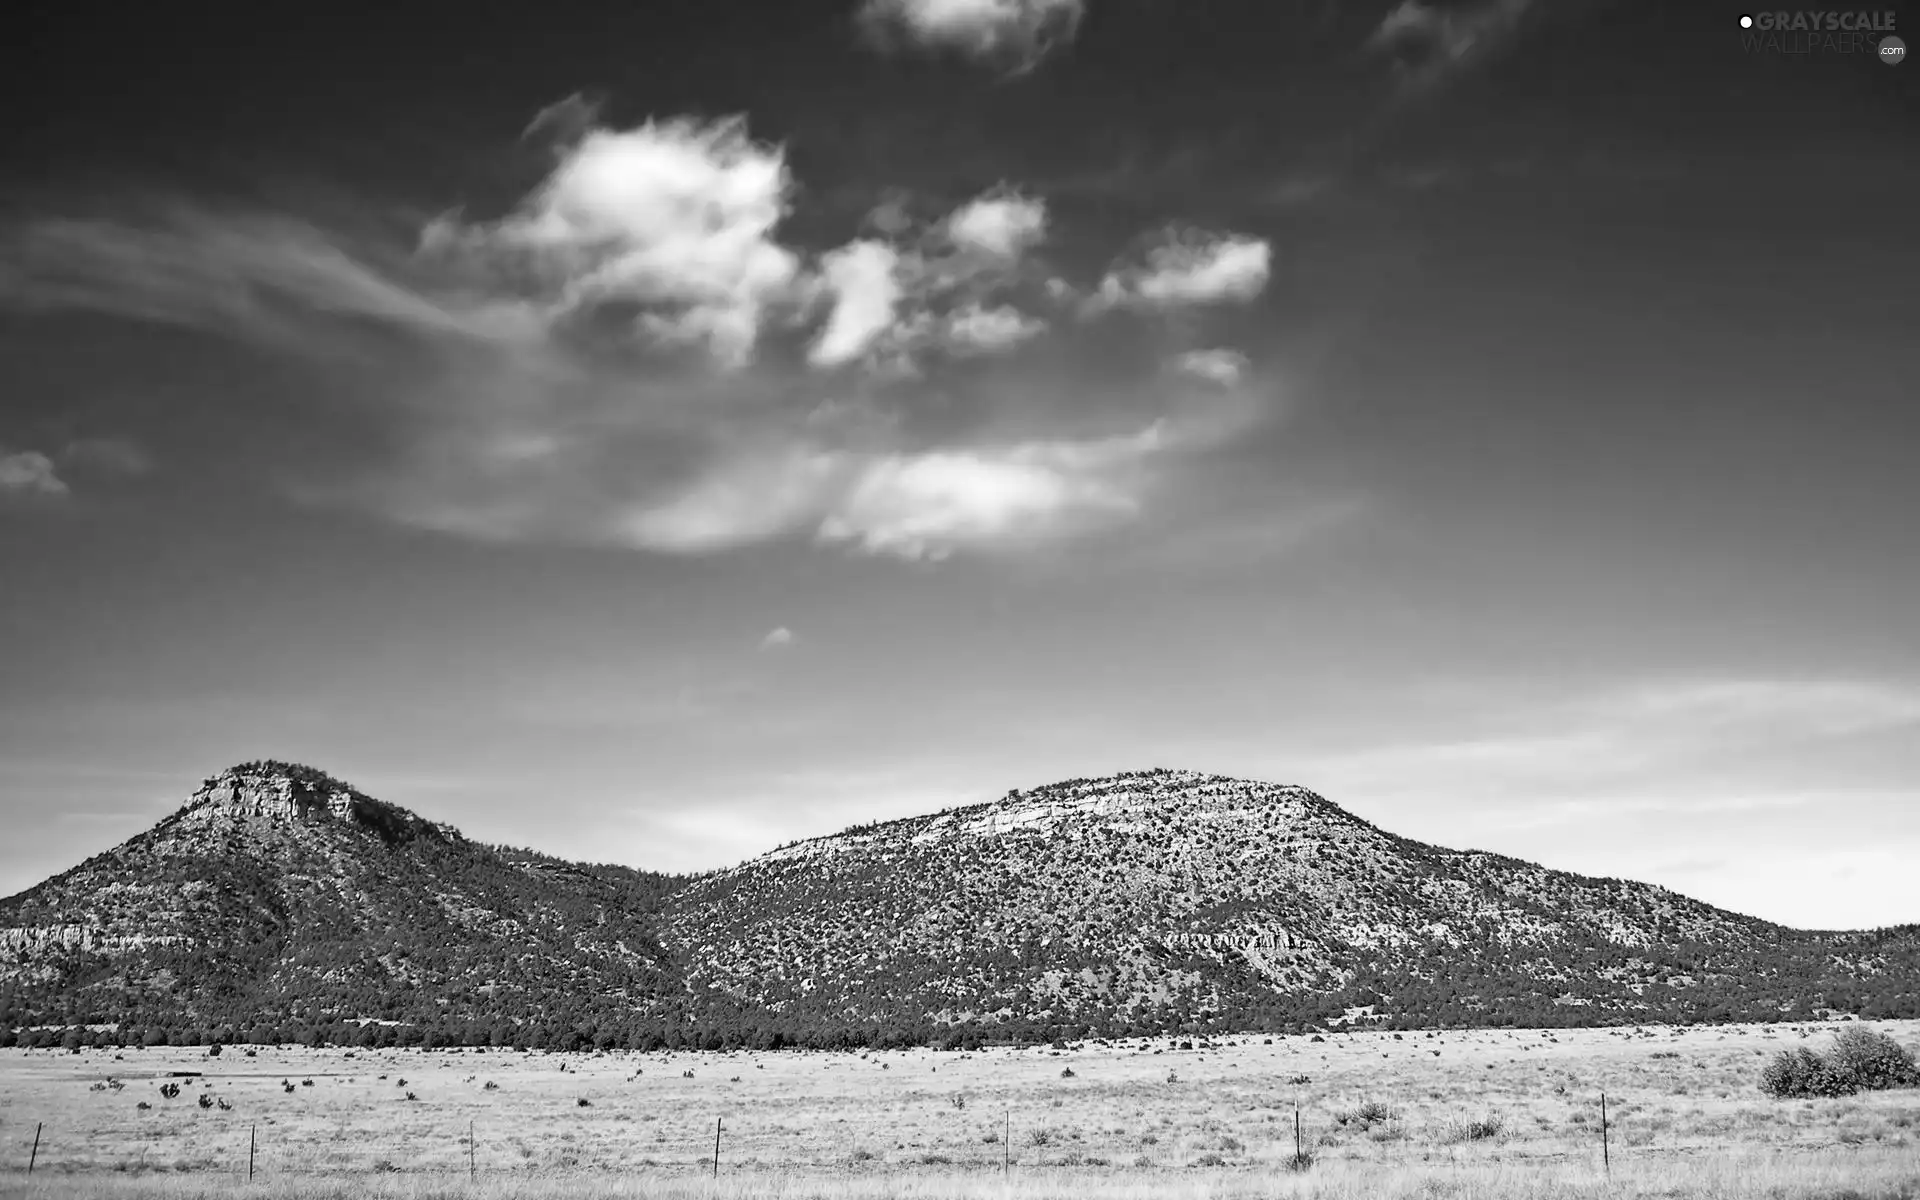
<point>1495,1114</point>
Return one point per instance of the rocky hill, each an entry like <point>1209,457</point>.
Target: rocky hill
<point>278,898</point>
<point>279,902</point>
<point>1173,900</point>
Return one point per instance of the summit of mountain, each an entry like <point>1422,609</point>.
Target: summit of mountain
<point>270,795</point>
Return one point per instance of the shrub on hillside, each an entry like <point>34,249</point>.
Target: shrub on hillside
<point>1861,1060</point>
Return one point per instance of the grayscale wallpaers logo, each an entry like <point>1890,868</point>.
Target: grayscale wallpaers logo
<point>1823,32</point>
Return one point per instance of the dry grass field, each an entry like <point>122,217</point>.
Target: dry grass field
<point>1491,1114</point>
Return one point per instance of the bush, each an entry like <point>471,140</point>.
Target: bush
<point>1861,1060</point>
<point>1373,1112</point>
<point>1874,1061</point>
<point>1800,1072</point>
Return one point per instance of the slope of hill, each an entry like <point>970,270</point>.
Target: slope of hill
<point>280,898</point>
<point>1164,900</point>
<point>279,902</point>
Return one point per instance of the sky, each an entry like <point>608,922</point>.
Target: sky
<point>652,433</point>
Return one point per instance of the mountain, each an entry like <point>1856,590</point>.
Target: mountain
<point>281,903</point>
<point>278,896</point>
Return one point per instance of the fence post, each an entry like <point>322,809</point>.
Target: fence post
<point>716,1147</point>
<point>1296,1131</point>
<point>35,1156</point>
<point>253,1132</point>
<point>1006,1147</point>
<point>469,1149</point>
<point>1606,1159</point>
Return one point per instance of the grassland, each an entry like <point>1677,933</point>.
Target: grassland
<point>1492,1114</point>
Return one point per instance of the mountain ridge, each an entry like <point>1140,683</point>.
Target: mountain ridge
<point>279,899</point>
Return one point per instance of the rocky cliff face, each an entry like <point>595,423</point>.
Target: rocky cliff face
<point>287,792</point>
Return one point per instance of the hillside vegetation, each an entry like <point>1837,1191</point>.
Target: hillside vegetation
<point>280,904</point>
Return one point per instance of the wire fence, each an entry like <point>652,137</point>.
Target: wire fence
<point>1006,1140</point>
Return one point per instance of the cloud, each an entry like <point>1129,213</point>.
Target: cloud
<point>976,327</point>
<point>777,638</point>
<point>259,276</point>
<point>928,505</point>
<point>1429,42</point>
<point>674,217</point>
<point>1189,268</point>
<point>914,504</point>
<point>565,121</point>
<point>107,456</point>
<point>1782,708</point>
<point>921,290</point>
<point>1224,367</point>
<point>1002,224</point>
<point>29,473</point>
<point>1551,752</point>
<point>861,277</point>
<point>618,359</point>
<point>749,494</point>
<point>1012,34</point>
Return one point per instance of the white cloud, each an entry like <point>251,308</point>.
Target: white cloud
<point>748,495</point>
<point>976,327</point>
<point>29,473</point>
<point>675,216</point>
<point>928,505</point>
<point>894,301</point>
<point>861,277</point>
<point>777,638</point>
<point>514,355</point>
<point>1190,268</point>
<point>1002,224</point>
<point>1011,33</point>
<point>917,504</point>
<point>1224,367</point>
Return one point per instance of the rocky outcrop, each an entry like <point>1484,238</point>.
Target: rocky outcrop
<point>295,794</point>
<point>33,942</point>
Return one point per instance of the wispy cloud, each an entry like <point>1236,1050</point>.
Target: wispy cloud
<point>1183,267</point>
<point>912,504</point>
<point>115,457</point>
<point>1009,34</point>
<point>777,639</point>
<point>1776,707</point>
<point>259,276</point>
<point>1637,748</point>
<point>990,329</point>
<point>1430,42</point>
<point>1221,366</point>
